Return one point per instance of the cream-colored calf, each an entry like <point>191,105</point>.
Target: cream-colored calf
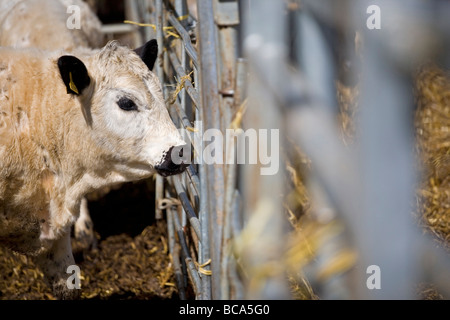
<point>71,124</point>
<point>43,24</point>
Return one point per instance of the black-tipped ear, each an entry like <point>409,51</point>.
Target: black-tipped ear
<point>148,53</point>
<point>74,74</point>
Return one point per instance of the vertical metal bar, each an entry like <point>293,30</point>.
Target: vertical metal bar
<point>232,288</point>
<point>191,270</point>
<point>226,241</point>
<point>386,227</point>
<point>184,65</point>
<point>237,290</point>
<point>316,61</point>
<point>211,119</point>
<point>180,8</point>
<point>160,40</point>
<point>176,181</point>
<point>131,13</point>
<point>149,33</point>
<point>159,184</point>
<point>183,216</point>
<point>226,46</point>
<point>241,82</point>
<point>204,247</point>
<point>174,251</point>
<point>265,225</point>
<point>205,240</point>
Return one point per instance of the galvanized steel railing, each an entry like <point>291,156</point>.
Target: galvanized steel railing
<point>197,66</point>
<point>203,207</point>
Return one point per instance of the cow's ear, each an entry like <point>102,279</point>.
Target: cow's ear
<point>74,74</point>
<point>148,53</point>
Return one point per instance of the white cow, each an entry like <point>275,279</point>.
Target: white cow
<point>48,24</point>
<point>44,24</point>
<point>71,124</point>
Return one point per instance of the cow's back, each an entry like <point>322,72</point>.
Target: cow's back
<point>43,24</point>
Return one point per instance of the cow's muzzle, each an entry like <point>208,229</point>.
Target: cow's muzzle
<point>173,162</point>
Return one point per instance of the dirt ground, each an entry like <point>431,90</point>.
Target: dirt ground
<point>131,260</point>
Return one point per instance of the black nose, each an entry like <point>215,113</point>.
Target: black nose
<point>172,163</point>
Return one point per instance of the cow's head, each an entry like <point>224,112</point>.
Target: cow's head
<point>124,107</point>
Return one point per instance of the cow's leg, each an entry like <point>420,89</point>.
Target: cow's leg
<point>54,263</point>
<point>84,228</point>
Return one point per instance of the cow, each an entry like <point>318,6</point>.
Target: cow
<point>43,24</point>
<point>49,25</point>
<point>71,124</point>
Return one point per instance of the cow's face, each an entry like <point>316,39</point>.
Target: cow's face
<point>123,106</point>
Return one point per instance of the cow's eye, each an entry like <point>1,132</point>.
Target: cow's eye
<point>126,104</point>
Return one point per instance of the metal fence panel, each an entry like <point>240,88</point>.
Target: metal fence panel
<point>227,229</point>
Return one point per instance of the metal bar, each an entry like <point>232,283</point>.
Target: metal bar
<point>144,10</point>
<point>316,60</point>
<point>389,175</point>
<point>226,13</point>
<point>159,184</point>
<point>236,217</point>
<point>181,115</point>
<point>227,48</point>
<point>240,92</point>
<point>226,241</point>
<point>181,10</point>
<point>376,208</point>
<point>211,119</point>
<point>174,251</point>
<point>192,271</point>
<point>237,290</point>
<point>316,132</point>
<point>194,196</point>
<point>160,40</point>
<point>185,37</point>
<point>190,170</point>
<point>195,223</point>
<point>131,13</point>
<point>204,246</point>
<point>182,74</point>
<point>193,275</point>
<point>265,226</point>
<point>194,179</point>
<point>179,277</point>
<point>205,243</point>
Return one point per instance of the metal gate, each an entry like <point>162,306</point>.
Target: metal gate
<point>226,248</point>
<point>202,84</point>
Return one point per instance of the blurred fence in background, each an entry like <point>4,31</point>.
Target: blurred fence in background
<point>229,235</point>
